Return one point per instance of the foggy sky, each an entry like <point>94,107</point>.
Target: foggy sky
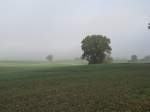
<point>32,29</point>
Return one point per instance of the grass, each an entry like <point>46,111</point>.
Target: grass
<point>43,87</point>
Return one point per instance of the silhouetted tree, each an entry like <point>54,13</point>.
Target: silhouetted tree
<point>149,26</point>
<point>134,58</point>
<point>96,48</point>
<point>49,57</point>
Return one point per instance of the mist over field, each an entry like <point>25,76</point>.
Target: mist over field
<point>32,29</point>
<point>74,55</point>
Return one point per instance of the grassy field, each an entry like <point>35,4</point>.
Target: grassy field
<point>44,87</point>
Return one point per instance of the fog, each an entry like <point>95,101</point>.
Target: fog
<point>32,29</point>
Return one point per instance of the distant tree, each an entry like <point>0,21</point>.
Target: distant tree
<point>49,57</point>
<point>95,48</point>
<point>134,58</point>
<point>149,26</point>
<point>146,58</point>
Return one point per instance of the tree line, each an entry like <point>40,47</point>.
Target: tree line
<point>97,49</point>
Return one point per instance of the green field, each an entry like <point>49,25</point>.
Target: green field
<point>44,87</point>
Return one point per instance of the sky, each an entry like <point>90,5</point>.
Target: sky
<point>32,29</point>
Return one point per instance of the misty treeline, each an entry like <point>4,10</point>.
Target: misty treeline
<point>133,59</point>
<point>96,49</point>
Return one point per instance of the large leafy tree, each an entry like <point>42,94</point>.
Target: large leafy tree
<point>96,48</point>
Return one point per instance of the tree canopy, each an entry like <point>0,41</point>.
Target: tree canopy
<point>96,48</point>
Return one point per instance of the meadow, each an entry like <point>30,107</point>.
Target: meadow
<point>58,87</point>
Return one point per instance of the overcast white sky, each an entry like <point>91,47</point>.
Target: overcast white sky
<point>31,29</point>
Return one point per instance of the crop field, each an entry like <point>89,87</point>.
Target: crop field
<point>44,87</point>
